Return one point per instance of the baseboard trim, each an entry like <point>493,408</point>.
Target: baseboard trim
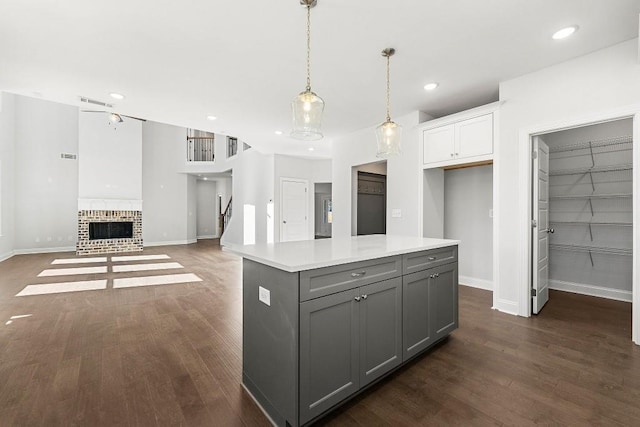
<point>171,243</point>
<point>591,290</point>
<point>473,282</point>
<point>6,256</point>
<point>208,236</point>
<point>44,250</point>
<point>505,306</point>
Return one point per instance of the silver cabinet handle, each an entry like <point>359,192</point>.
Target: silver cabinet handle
<point>437,274</point>
<point>456,154</point>
<point>451,154</point>
<point>433,276</point>
<point>357,299</point>
<point>364,296</point>
<point>362,273</point>
<point>432,258</point>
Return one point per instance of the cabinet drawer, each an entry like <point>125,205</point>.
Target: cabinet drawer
<point>419,261</point>
<point>325,281</point>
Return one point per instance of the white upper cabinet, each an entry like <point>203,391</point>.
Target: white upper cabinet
<point>462,138</point>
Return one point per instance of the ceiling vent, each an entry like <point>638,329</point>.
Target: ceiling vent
<point>95,102</point>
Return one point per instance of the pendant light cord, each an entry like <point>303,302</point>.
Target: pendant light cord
<point>388,89</point>
<point>308,47</point>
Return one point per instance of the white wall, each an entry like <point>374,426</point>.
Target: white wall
<point>110,158</point>
<point>253,184</point>
<point>165,207</point>
<point>192,208</point>
<point>468,198</point>
<point>403,174</point>
<point>580,91</point>
<point>206,210</point>
<point>46,186</point>
<point>7,153</point>
<point>312,170</point>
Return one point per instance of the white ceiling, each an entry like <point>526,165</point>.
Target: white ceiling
<point>244,61</point>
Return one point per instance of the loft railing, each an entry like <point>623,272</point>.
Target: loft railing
<point>200,149</point>
<point>225,216</point>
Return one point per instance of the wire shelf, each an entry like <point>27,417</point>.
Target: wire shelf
<point>591,249</point>
<point>627,139</point>
<point>612,224</point>
<point>594,169</point>
<point>592,196</point>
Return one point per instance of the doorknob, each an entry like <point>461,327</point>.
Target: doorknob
<point>284,222</point>
<point>550,230</point>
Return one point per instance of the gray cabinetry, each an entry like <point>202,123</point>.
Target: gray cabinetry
<point>313,339</point>
<point>430,307</point>
<point>347,340</point>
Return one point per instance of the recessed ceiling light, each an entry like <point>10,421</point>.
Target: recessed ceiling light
<point>278,132</point>
<point>115,95</point>
<point>565,32</point>
<point>205,178</point>
<point>211,117</point>
<point>430,86</point>
<point>311,149</point>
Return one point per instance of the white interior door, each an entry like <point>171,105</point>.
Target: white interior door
<point>540,227</point>
<point>294,215</point>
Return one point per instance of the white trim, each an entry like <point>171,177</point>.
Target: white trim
<point>6,256</point>
<point>310,235</point>
<point>171,242</point>
<point>635,296</point>
<point>505,306</point>
<point>496,206</point>
<point>44,250</point>
<point>109,205</point>
<point>462,115</point>
<point>207,236</point>
<point>476,283</point>
<point>524,211</point>
<point>591,290</point>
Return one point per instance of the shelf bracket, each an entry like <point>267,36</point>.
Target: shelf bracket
<point>590,232</point>
<point>591,206</point>
<point>593,187</point>
<point>591,258</point>
<point>593,162</point>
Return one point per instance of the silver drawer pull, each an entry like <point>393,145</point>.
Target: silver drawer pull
<point>357,299</point>
<point>364,296</point>
<point>432,258</point>
<point>362,273</point>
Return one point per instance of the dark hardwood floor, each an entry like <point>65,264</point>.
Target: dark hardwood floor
<point>171,355</point>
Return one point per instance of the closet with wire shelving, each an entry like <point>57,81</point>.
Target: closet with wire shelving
<point>591,209</point>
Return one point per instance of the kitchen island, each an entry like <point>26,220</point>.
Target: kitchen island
<point>324,319</point>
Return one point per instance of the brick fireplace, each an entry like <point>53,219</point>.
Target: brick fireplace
<point>119,213</point>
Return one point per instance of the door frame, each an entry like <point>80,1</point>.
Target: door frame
<point>525,142</point>
<point>281,203</point>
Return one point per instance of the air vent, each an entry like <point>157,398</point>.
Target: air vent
<point>68,156</point>
<point>95,102</point>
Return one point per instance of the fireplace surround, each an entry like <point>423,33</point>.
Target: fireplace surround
<point>102,245</point>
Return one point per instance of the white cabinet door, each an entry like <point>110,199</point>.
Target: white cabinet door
<point>474,137</point>
<point>438,144</point>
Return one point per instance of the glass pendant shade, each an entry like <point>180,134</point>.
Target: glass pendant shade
<point>307,110</point>
<point>388,135</point>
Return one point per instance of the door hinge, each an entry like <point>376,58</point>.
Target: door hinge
<point>534,293</point>
<point>534,223</point>
<point>534,155</point>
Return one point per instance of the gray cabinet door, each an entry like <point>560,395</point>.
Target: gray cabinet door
<point>443,297</point>
<point>380,329</point>
<point>416,322</point>
<point>328,352</point>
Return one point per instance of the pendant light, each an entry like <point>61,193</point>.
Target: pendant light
<point>307,107</point>
<point>388,133</point>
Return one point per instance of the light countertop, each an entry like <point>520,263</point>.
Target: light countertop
<point>310,254</point>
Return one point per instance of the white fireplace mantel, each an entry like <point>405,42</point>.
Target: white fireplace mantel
<point>109,205</point>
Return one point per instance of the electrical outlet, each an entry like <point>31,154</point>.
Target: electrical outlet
<point>264,295</point>
<point>396,213</point>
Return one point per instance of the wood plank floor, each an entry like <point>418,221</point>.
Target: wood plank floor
<point>171,355</point>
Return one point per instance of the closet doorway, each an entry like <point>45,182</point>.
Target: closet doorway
<point>582,212</point>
